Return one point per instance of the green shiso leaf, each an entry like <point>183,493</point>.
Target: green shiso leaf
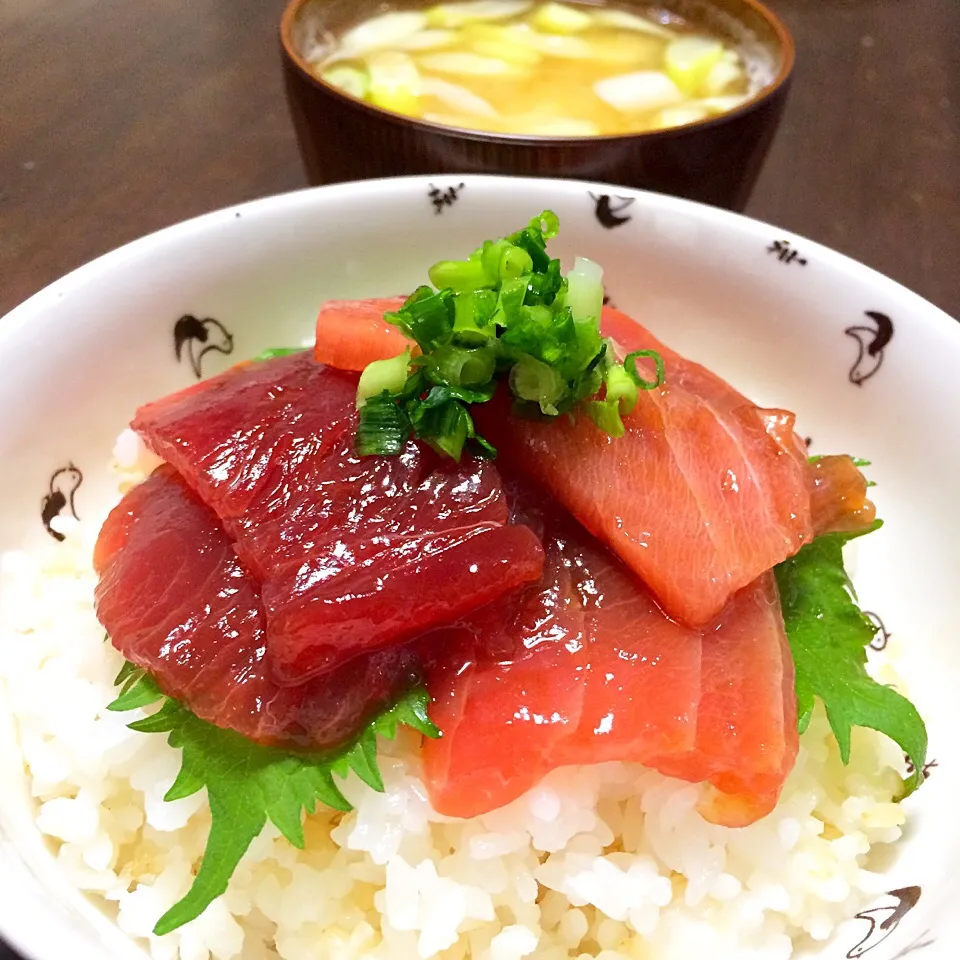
<point>273,352</point>
<point>829,636</point>
<point>248,784</point>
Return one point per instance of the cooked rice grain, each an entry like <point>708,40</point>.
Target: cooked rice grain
<point>607,862</point>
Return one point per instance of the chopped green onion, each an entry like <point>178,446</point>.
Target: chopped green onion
<point>622,388</point>
<point>606,415</point>
<point>427,317</point>
<point>585,292</point>
<point>489,256</point>
<point>473,311</point>
<point>383,375</point>
<point>545,287</point>
<point>548,223</point>
<point>531,379</point>
<point>506,312</point>
<point>512,294</point>
<point>461,366</point>
<point>443,422</point>
<point>384,427</point>
<point>532,331</point>
<point>461,275</point>
<point>514,263</point>
<point>630,364</point>
<point>531,239</point>
<point>586,385</point>
<point>465,394</point>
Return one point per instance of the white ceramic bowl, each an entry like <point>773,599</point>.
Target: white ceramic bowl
<point>871,369</point>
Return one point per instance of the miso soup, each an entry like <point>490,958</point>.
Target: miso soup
<point>548,69</point>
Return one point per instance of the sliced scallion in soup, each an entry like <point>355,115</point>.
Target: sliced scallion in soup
<point>550,69</point>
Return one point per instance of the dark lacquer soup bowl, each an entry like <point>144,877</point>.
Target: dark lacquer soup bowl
<point>714,160</point>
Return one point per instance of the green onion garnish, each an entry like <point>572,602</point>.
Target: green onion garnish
<point>383,375</point>
<point>384,427</point>
<point>506,313</point>
<point>630,364</point>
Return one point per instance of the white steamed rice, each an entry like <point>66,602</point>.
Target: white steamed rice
<point>606,862</point>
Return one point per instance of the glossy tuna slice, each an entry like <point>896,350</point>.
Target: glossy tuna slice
<point>585,668</point>
<point>747,739</point>
<point>836,487</point>
<point>175,599</point>
<point>337,540</point>
<point>703,493</point>
<point>353,333</point>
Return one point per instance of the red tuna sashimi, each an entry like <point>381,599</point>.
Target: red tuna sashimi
<point>586,668</point>
<point>176,600</point>
<point>335,539</point>
<point>702,494</point>
<point>353,333</point>
<point>838,496</point>
<point>748,703</point>
<point>710,490</point>
<point>837,489</point>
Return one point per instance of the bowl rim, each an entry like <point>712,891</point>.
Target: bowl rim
<point>780,84</point>
<point>380,188</point>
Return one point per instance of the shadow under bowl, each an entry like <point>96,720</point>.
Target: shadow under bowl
<point>714,161</point>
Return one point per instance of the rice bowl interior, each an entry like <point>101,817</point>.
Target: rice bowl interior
<point>609,861</point>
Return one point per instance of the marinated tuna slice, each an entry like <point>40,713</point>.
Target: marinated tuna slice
<point>585,668</point>
<point>838,499</point>
<point>352,333</point>
<point>176,600</point>
<point>705,492</point>
<point>334,539</point>
<point>836,487</point>
<point>747,739</point>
